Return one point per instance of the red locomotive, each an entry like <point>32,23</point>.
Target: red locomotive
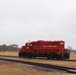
<point>49,49</point>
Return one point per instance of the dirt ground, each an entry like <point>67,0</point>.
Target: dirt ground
<point>19,69</point>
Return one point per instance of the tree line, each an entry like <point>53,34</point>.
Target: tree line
<point>12,47</point>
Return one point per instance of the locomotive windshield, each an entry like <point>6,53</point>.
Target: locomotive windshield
<point>27,44</point>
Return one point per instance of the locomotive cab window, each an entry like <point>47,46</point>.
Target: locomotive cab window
<point>30,44</point>
<point>27,44</point>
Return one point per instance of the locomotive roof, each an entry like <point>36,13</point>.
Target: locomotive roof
<point>42,41</point>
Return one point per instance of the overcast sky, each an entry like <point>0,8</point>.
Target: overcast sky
<point>24,20</point>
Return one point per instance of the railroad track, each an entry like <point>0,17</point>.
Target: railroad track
<point>34,58</point>
<point>61,68</point>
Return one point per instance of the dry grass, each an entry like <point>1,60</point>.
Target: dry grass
<point>9,53</point>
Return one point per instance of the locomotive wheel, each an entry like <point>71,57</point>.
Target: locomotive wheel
<point>48,57</point>
<point>29,55</point>
<point>23,55</point>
